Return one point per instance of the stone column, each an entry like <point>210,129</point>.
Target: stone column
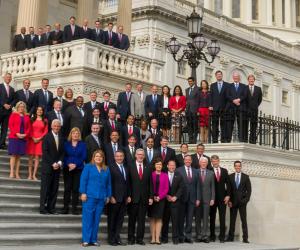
<point>208,4</point>
<point>246,11</point>
<point>287,13</point>
<point>265,12</point>
<point>87,9</point>
<point>227,8</point>
<point>278,12</point>
<point>125,15</point>
<point>32,13</point>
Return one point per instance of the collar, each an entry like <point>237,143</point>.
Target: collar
<point>55,135</point>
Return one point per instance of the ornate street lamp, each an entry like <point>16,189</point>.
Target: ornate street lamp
<point>194,52</point>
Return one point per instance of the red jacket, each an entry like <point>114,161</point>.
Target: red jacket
<point>14,124</point>
<point>177,105</point>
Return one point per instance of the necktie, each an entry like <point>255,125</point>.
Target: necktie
<point>46,96</point>
<point>154,99</point>
<point>132,151</point>
<point>150,155</point>
<point>218,175</point>
<point>163,154</point>
<point>105,106</point>
<point>128,96</point>
<point>113,125</point>
<point>114,148</point>
<point>110,39</point>
<point>72,29</point>
<point>56,141</point>
<point>251,90</point>
<point>130,130</point>
<point>81,112</point>
<point>97,140</point>
<point>171,179</point>
<point>59,117</point>
<point>140,172</point>
<point>93,105</point>
<point>123,172</point>
<point>219,87</point>
<point>141,97</point>
<point>154,132</point>
<point>120,37</point>
<point>190,92</point>
<point>26,95</point>
<point>202,175</point>
<point>236,87</point>
<point>237,181</point>
<point>189,174</point>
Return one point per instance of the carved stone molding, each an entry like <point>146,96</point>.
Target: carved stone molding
<point>143,40</point>
<point>258,73</point>
<point>159,41</point>
<point>224,62</point>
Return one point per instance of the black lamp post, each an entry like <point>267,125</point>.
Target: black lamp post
<point>194,52</point>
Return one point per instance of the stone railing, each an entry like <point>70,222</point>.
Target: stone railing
<point>79,54</point>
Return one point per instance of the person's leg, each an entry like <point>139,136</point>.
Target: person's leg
<point>133,210</point>
<point>158,225</point>
<point>222,217</point>
<point>18,166</point>
<point>152,229</point>
<point>4,128</point>
<point>53,191</point>
<point>243,216</point>
<point>233,214</point>
<point>36,166</point>
<point>205,135</point>
<point>97,217</point>
<point>215,126</point>
<point>142,210</point>
<point>201,134</point>
<point>30,167</point>
<point>174,216</point>
<point>205,214</point>
<point>88,217</point>
<point>75,189</point>
<point>212,218</point>
<point>189,220</point>
<point>166,219</point>
<point>182,212</point>
<point>198,223</point>
<point>44,192</point>
<point>119,220</point>
<point>12,162</point>
<point>67,188</point>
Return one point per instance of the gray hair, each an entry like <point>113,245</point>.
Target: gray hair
<point>203,159</point>
<point>55,121</point>
<point>139,150</point>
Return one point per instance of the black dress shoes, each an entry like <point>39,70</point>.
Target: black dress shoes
<point>205,240</point>
<point>75,212</point>
<point>212,238</point>
<point>180,241</point>
<point>198,240</point>
<point>222,241</point>
<point>245,241</point>
<point>121,243</point>
<point>131,242</point>
<point>140,242</point>
<point>53,212</point>
<point>188,241</point>
<point>44,212</point>
<point>175,242</point>
<point>229,239</point>
<point>64,211</point>
<point>164,241</point>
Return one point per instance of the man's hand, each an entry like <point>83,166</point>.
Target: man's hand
<point>7,106</point>
<point>197,203</point>
<point>174,199</point>
<point>150,202</point>
<point>212,202</point>
<point>71,166</point>
<point>128,200</point>
<point>211,108</point>
<point>226,200</point>
<point>230,204</point>
<point>150,114</point>
<point>113,200</point>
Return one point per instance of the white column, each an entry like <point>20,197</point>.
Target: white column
<point>278,12</point>
<point>265,12</point>
<point>246,11</point>
<point>87,9</point>
<point>293,13</point>
<point>208,4</point>
<point>125,15</point>
<point>227,8</point>
<point>287,13</point>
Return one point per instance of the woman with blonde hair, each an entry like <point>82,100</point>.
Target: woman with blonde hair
<point>95,189</point>
<point>19,132</point>
<point>75,155</point>
<point>69,97</point>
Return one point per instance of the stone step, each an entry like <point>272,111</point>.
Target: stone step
<point>24,182</point>
<point>23,199</point>
<point>22,217</point>
<point>22,190</point>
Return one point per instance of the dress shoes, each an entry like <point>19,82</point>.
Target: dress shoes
<point>75,212</point>
<point>212,238</point>
<point>121,243</point>
<point>45,212</point>
<point>64,211</point>
<point>245,241</point>
<point>114,244</point>
<point>96,244</point>
<point>131,242</point>
<point>198,240</point>
<point>53,212</point>
<point>175,242</point>
<point>140,242</point>
<point>222,241</point>
<point>164,241</point>
<point>229,239</point>
<point>205,240</point>
<point>188,241</point>
<point>180,241</point>
<point>4,147</point>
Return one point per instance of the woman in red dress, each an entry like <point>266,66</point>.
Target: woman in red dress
<point>39,128</point>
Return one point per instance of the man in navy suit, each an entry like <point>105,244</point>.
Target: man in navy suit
<point>20,41</point>
<point>39,39</point>
<point>85,31</point>
<point>111,124</point>
<point>43,97</point>
<point>71,31</point>
<point>123,103</point>
<point>124,43</point>
<point>150,153</point>
<point>56,114</point>
<point>155,132</point>
<point>30,38</point>
<point>92,104</point>
<point>25,95</point>
<point>56,35</point>
<point>236,108</point>
<point>217,106</point>
<point>106,105</point>
<point>98,33</point>
<point>153,103</point>
<point>110,37</point>
<point>166,153</point>
<point>128,130</point>
<point>111,147</point>
<point>47,35</point>
<point>59,96</point>
<point>7,98</point>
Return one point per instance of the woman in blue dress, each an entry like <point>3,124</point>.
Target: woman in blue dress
<point>95,189</point>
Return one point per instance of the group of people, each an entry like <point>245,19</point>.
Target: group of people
<point>46,36</point>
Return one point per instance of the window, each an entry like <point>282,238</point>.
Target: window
<point>266,91</point>
<point>254,9</point>
<point>285,97</point>
<point>181,68</point>
<point>236,8</point>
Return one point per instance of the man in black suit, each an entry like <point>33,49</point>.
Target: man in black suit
<point>150,153</point>
<point>43,97</point>
<point>128,130</point>
<point>153,103</point>
<point>171,210</point>
<point>190,200</point>
<point>110,37</point>
<point>25,95</point>
<point>111,124</point>
<point>56,114</point>
<point>95,118</point>
<point>56,36</point>
<point>90,105</point>
<point>20,41</point>
<point>97,33</point>
<point>59,96</point>
<point>236,108</point>
<point>40,39</point>
<point>184,150</point>
<point>124,43</point>
<point>120,197</point>
<point>47,35</point>
<point>166,153</point>
<point>106,105</point>
<point>240,193</point>
<point>217,106</point>
<point>71,31</point>
<point>53,156</point>
<point>155,133</point>
<point>30,38</point>
<point>192,94</point>
<point>123,103</point>
<point>222,190</point>
<point>130,150</point>
<point>254,99</point>
<point>200,153</point>
<point>7,98</point>
<point>111,147</point>
<point>85,31</point>
<point>141,196</point>
<point>93,141</point>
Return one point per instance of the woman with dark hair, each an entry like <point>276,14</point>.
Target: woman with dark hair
<point>39,128</point>
<point>203,111</point>
<point>144,133</point>
<point>165,113</point>
<point>160,183</point>
<point>177,106</point>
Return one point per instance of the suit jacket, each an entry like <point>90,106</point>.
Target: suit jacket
<point>64,104</point>
<point>39,41</point>
<point>40,100</point>
<point>177,105</point>
<point>156,137</point>
<point>241,195</point>
<point>163,188</point>
<point>20,96</point>
<point>109,153</point>
<point>179,160</point>
<point>207,188</point>
<point>123,105</point>
<point>14,125</point>
<point>137,105</point>
<point>92,146</point>
<point>98,37</point>
<point>141,189</point>
<point>19,43</point>
<point>129,158</point>
<point>51,154</point>
<point>47,38</point>
<point>218,99</point>
<point>114,41</point>
<point>151,107</point>
<point>85,34</point>
<point>195,163</point>
<point>56,36</point>
<point>120,185</point>
<point>192,100</point>
<point>253,101</point>
<point>4,99</point>
<point>155,154</point>
<point>177,188</point>
<point>232,94</point>
<point>73,118</point>
<point>170,155</point>
<point>124,43</point>
<point>30,41</point>
<point>222,187</point>
<point>125,135</point>
<point>107,129</point>
<point>52,116</point>
<point>67,34</point>
<point>103,112</point>
<point>88,107</point>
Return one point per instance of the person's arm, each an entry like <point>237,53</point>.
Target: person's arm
<point>14,44</point>
<point>259,96</point>
<point>132,104</point>
<point>127,43</point>
<point>11,125</point>
<point>84,180</point>
<point>212,186</point>
<point>109,189</point>
<point>180,187</point>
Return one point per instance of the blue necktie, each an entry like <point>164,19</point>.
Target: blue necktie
<point>150,155</point>
<point>154,99</point>
<point>123,172</point>
<point>237,181</point>
<point>219,87</point>
<point>236,87</point>
<point>114,148</point>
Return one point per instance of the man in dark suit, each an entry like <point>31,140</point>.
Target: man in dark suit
<point>166,153</point>
<point>128,130</point>
<point>71,31</point>
<point>184,150</point>
<point>30,38</point>
<point>141,197</point>
<point>56,114</point>
<point>111,147</point>
<point>20,41</point>
<point>240,193</point>
<point>110,37</point>
<point>25,95</point>
<point>153,103</point>
<point>95,118</point>
<point>190,200</point>
<point>124,43</point>
<point>59,96</point>
<point>56,36</point>
<point>236,108</point>
<point>93,141</point>
<point>155,133</point>
<point>53,156</point>
<point>130,150</point>
<point>97,33</point>
<point>171,210</point>
<point>90,105</point>
<point>254,99</point>
<point>150,152</point>
<point>85,31</point>
<point>200,153</point>
<point>47,35</point>
<point>207,199</point>
<point>43,97</point>
<point>7,98</point>
<point>106,105</point>
<point>123,103</point>
<point>217,106</point>
<point>222,190</point>
<point>192,94</point>
<point>40,39</point>
<point>120,197</point>
<point>111,124</point>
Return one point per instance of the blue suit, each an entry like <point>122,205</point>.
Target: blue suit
<point>123,105</point>
<point>97,186</point>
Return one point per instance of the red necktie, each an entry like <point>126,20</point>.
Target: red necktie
<point>140,172</point>
<point>130,130</point>
<point>218,175</point>
<point>202,176</point>
<point>163,154</point>
<point>113,125</point>
<point>189,174</point>
<point>105,106</point>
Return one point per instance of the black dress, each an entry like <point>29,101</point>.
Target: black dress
<point>165,121</point>
<point>156,211</point>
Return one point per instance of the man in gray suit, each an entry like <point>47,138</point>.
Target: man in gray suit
<point>207,198</point>
<point>137,102</point>
<point>189,200</point>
